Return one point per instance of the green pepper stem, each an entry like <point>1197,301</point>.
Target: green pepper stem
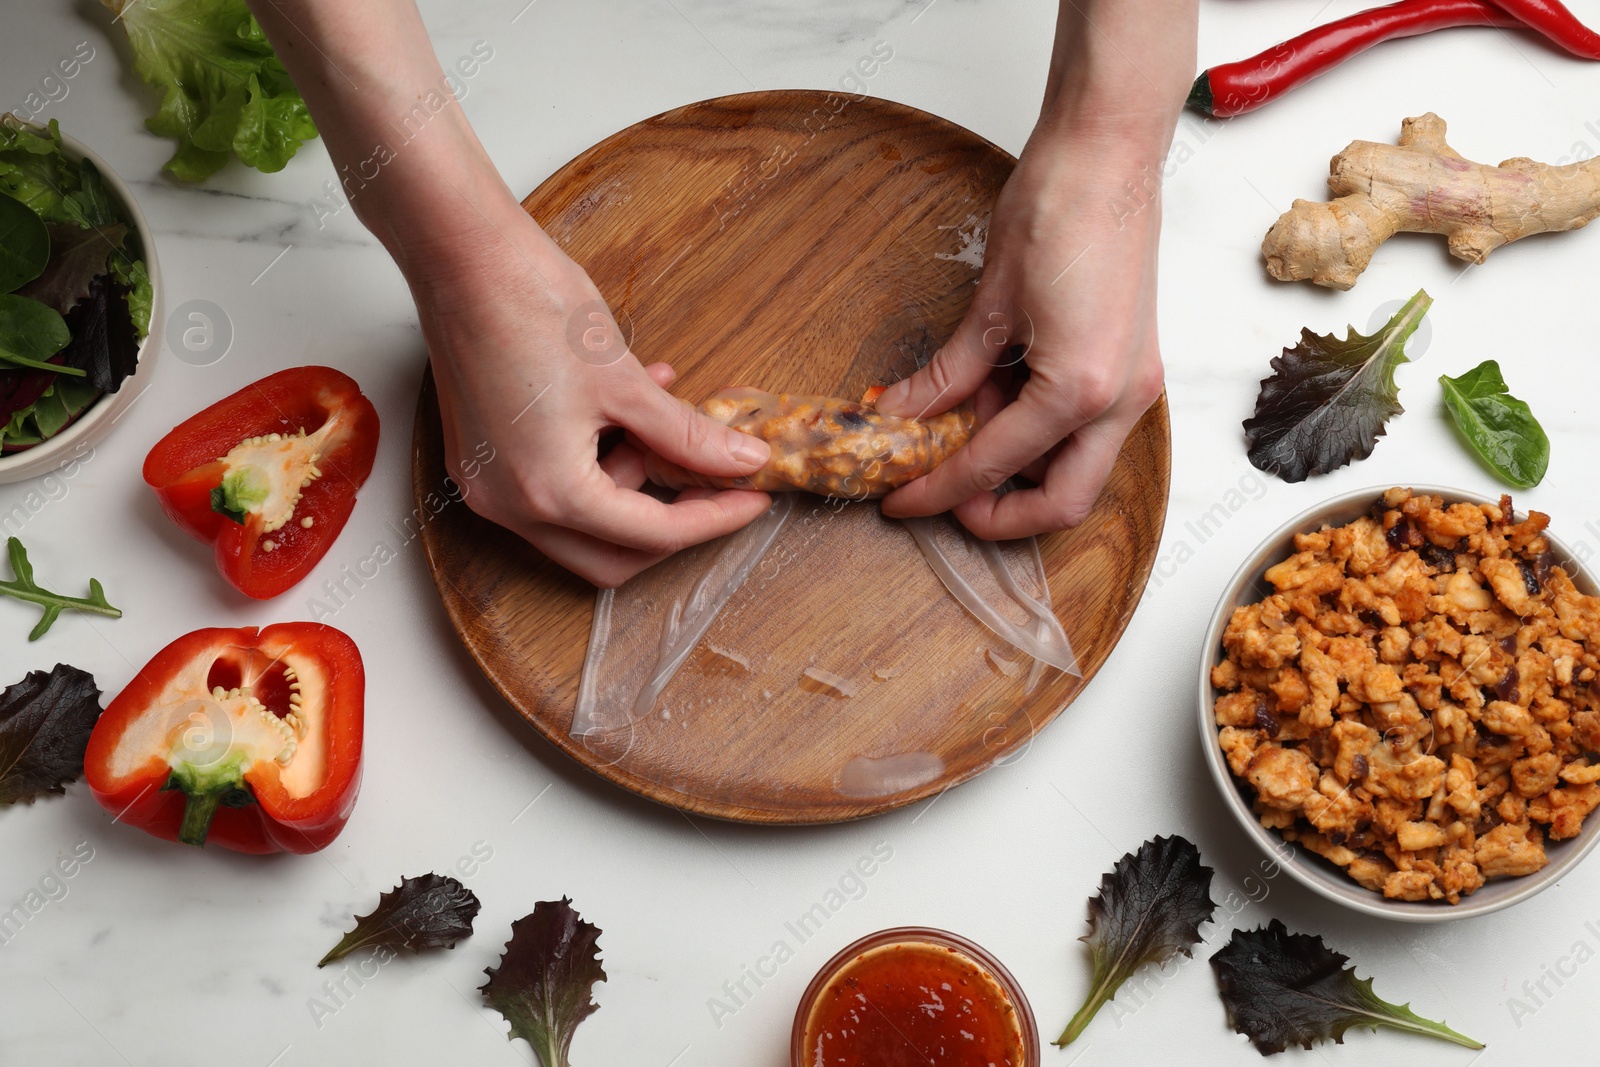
<point>198,811</point>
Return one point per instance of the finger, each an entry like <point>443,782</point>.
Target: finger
<point>600,562</point>
<point>602,509</point>
<point>625,465</point>
<point>1066,494</point>
<point>950,377</point>
<point>988,402</point>
<point>661,373</point>
<point>679,433</point>
<point>1015,437</point>
<point>1036,470</point>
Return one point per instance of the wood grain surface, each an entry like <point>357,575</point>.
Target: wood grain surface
<point>804,242</point>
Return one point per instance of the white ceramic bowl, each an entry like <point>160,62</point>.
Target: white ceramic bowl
<point>1310,870</point>
<point>89,428</point>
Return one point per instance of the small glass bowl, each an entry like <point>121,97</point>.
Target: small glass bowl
<point>973,953</point>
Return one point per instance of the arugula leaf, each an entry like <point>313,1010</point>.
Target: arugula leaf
<point>546,976</point>
<point>1329,398</point>
<point>1282,988</point>
<point>30,333</point>
<point>223,89</point>
<point>77,257</point>
<point>23,587</point>
<point>45,722</point>
<point>1500,428</point>
<point>1149,909</point>
<point>24,244</point>
<point>431,911</point>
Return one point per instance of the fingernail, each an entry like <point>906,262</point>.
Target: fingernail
<point>749,450</point>
<point>895,395</point>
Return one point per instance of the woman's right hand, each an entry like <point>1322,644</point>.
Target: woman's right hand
<point>531,370</point>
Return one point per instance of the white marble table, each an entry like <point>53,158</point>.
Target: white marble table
<point>154,954</point>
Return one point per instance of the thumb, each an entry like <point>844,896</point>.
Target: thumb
<point>679,433</point>
<point>953,374</point>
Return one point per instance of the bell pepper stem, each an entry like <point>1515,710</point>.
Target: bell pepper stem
<point>198,811</point>
<point>205,788</point>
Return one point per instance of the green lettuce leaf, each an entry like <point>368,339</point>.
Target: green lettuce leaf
<point>1500,428</point>
<point>223,89</point>
<point>33,170</point>
<point>132,276</point>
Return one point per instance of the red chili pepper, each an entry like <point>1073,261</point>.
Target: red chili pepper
<point>1234,88</point>
<point>1552,19</point>
<point>248,739</point>
<point>269,475</point>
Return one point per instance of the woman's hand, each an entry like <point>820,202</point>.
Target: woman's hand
<point>1069,285</point>
<point>530,367</point>
<point>532,371</point>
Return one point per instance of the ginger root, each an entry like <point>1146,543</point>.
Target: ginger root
<point>1422,185</point>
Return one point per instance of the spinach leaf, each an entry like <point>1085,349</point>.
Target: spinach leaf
<point>1498,426</point>
<point>30,333</point>
<point>24,244</point>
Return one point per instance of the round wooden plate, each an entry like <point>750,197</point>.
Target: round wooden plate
<point>805,242</point>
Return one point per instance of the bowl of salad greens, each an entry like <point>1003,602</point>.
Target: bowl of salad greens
<point>79,293</point>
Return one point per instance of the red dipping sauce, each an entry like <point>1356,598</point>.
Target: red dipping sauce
<point>914,997</point>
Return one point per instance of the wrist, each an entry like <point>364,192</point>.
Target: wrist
<point>1119,73</point>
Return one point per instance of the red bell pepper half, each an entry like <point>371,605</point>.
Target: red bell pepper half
<point>249,739</point>
<point>269,475</point>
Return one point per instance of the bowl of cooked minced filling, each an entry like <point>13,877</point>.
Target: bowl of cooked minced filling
<point>1405,685</point>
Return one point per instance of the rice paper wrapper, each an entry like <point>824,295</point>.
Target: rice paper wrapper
<point>1002,583</point>
<point>645,629</point>
<point>777,571</point>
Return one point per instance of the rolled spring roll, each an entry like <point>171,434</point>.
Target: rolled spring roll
<point>824,445</point>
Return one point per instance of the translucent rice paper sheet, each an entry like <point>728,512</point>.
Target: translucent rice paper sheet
<point>646,628</point>
<point>1002,584</point>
